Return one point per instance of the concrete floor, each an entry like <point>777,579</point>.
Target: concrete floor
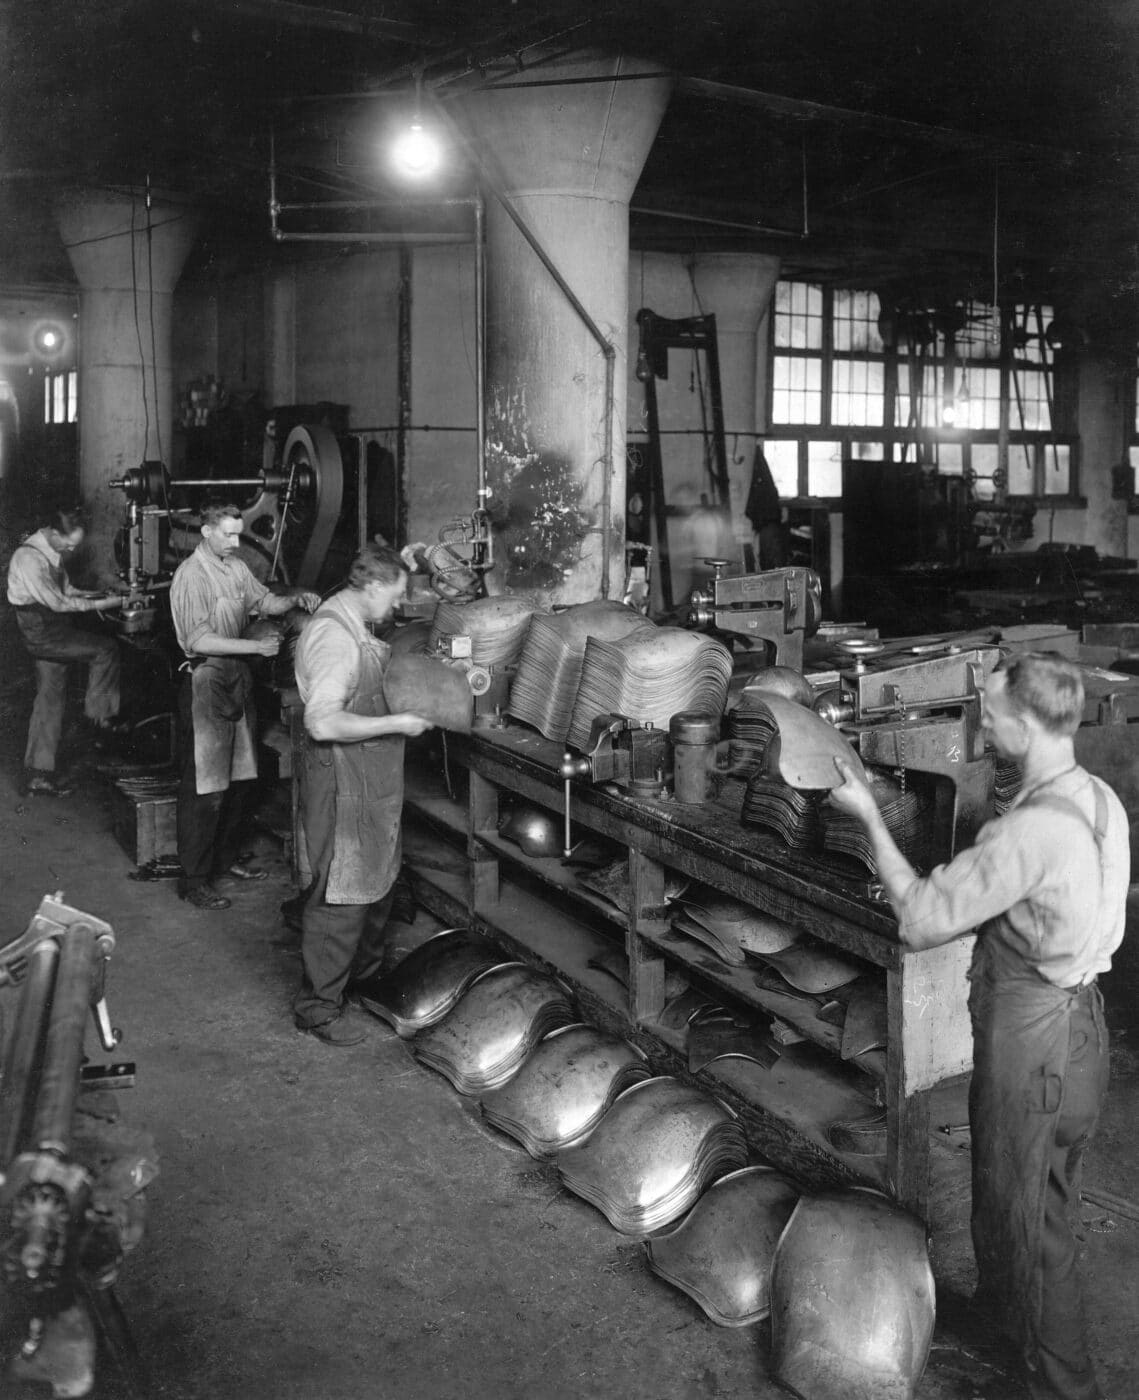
<point>335,1224</point>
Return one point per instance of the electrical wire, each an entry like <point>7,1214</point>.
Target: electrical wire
<point>153,336</point>
<point>138,337</point>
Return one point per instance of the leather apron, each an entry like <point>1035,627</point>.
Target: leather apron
<point>43,630</point>
<point>368,778</point>
<point>221,700</point>
<point>1021,1048</point>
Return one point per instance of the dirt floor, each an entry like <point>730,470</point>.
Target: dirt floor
<point>338,1224</point>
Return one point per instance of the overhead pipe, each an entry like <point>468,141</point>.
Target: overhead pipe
<point>608,349</point>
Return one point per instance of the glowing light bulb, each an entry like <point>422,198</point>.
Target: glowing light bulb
<point>416,152</point>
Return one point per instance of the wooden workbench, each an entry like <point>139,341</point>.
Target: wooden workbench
<point>537,908</point>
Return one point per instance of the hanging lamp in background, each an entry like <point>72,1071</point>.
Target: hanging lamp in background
<point>417,153</point>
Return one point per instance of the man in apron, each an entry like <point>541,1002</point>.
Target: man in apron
<point>212,596</point>
<point>46,604</point>
<point>351,792</point>
<point>1045,885</point>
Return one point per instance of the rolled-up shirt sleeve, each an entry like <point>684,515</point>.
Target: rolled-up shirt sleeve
<point>191,607</point>
<point>328,673</point>
<point>978,885</point>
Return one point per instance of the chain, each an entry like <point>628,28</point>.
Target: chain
<point>901,708</point>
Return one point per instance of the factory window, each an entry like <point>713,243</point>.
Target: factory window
<point>967,389</point>
<point>61,396</point>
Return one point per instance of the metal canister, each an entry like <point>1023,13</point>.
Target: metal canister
<point>694,734</point>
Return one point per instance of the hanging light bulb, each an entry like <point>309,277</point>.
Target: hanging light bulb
<point>416,152</point>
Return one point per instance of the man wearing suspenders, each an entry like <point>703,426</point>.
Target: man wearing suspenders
<point>1045,886</point>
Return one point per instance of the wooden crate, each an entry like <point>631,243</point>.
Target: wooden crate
<point>145,827</point>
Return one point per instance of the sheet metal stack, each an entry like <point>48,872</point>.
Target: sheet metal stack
<point>1008,781</point>
<point>653,1154</point>
<point>792,814</point>
<point>731,928</point>
<point>485,1040</point>
<point>549,668</point>
<point>427,983</point>
<point>611,882</point>
<point>721,1254</point>
<point>908,817</point>
<point>650,676</point>
<point>750,729</point>
<point>559,1095</point>
<point>496,626</point>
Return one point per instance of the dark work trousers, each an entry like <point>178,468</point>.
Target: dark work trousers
<point>56,643</point>
<point>1039,1078</point>
<point>340,943</point>
<point>210,824</point>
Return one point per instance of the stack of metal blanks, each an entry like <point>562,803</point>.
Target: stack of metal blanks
<point>852,1299</point>
<point>721,1254</point>
<point>731,928</point>
<point>549,668</point>
<point>427,983</point>
<point>611,882</point>
<point>750,729</point>
<point>812,967</point>
<point>1008,781</point>
<point>650,676</point>
<point>908,817</point>
<point>790,813</point>
<point>496,626</point>
<point>484,1041</point>
<point>653,1154</point>
<point>559,1095</point>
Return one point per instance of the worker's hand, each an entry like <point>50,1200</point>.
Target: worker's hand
<point>409,555</point>
<point>267,646</point>
<point>105,604</point>
<point>410,724</point>
<point>853,795</point>
<point>309,601</point>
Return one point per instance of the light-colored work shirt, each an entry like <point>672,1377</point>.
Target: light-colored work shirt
<point>1037,880</point>
<point>209,594</point>
<point>36,575</point>
<point>327,661</point>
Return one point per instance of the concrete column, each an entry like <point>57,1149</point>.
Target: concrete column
<point>568,159</point>
<point>127,260</point>
<point>736,288</point>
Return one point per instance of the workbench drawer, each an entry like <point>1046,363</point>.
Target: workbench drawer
<point>145,827</point>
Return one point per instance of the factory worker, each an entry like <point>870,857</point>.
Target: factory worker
<point>351,792</point>
<point>46,606</point>
<point>212,597</point>
<point>1045,887</point>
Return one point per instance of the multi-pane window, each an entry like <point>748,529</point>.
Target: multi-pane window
<point>61,396</point>
<point>966,389</point>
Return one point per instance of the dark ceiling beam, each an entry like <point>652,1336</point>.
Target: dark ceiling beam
<point>302,16</point>
<point>798,109</point>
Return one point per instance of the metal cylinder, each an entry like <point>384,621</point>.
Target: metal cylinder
<point>63,1052</point>
<point>16,1080</point>
<point>694,734</point>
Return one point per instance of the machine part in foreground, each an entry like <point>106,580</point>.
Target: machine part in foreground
<point>64,1228</point>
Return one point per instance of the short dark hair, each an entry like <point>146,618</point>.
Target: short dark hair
<point>64,518</point>
<point>376,562</point>
<point>1047,686</point>
<point>216,511</point>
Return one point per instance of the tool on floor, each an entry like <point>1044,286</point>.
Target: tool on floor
<point>64,1226</point>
